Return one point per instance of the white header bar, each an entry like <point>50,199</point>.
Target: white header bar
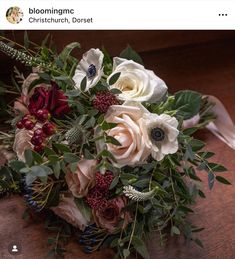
<point>117,14</point>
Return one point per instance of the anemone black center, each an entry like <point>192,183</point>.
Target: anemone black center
<point>157,134</point>
<point>91,71</point>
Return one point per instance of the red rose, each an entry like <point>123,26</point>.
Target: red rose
<point>58,102</point>
<point>39,100</point>
<point>53,100</point>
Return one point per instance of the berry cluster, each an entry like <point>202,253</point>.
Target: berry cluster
<point>40,134</point>
<point>103,100</point>
<point>97,197</point>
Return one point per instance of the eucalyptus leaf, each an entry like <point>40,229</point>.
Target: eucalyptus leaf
<point>187,103</point>
<point>114,78</point>
<point>83,208</point>
<point>140,247</point>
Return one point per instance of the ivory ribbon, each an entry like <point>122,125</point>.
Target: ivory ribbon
<point>222,127</point>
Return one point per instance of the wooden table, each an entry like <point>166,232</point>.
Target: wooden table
<point>210,69</point>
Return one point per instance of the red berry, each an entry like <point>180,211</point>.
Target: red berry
<point>38,132</point>
<point>26,118</point>
<point>29,125</point>
<point>49,128</point>
<point>43,115</point>
<point>19,125</point>
<point>37,140</point>
<point>39,148</point>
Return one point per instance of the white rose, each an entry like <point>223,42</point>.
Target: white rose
<point>160,134</point>
<point>68,211</point>
<point>137,83</point>
<point>90,67</point>
<point>129,133</point>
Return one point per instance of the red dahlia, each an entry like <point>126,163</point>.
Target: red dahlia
<point>103,100</point>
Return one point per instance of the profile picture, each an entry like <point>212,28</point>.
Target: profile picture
<point>14,15</point>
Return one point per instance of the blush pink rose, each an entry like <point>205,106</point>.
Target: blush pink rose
<point>68,211</point>
<point>22,142</point>
<point>82,179</point>
<point>112,217</point>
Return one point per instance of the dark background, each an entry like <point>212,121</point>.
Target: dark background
<point>199,60</point>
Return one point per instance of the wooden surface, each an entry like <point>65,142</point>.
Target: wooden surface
<point>210,69</point>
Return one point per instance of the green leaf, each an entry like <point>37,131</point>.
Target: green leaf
<point>222,180</point>
<point>187,103</point>
<point>206,155</point>
<point>28,157</point>
<point>61,147</point>
<point>53,158</point>
<point>26,40</point>
<point>175,230</point>
<point>87,154</point>
<point>185,209</point>
<point>201,194</point>
<point>190,131</point>
<point>48,151</point>
<point>37,157</point>
<point>196,144</point>
<point>56,169</point>
<point>114,182</point>
<point>16,165</point>
<point>106,153</point>
<point>30,178</point>
<point>140,247</point>
<point>130,54</point>
<point>217,167</point>
<point>71,158</point>
<point>112,140</point>
<point>115,91</point>
<point>211,180</point>
<point>45,76</point>
<point>83,84</point>
<point>126,253</point>
<point>114,78</point>
<point>198,242</point>
<point>68,49</point>
<point>108,125</point>
<point>54,197</point>
<point>84,208</point>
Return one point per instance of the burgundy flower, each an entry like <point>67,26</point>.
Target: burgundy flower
<point>54,100</point>
<point>112,216</point>
<point>39,100</point>
<point>58,102</point>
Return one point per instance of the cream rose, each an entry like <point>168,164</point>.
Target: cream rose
<point>129,133</point>
<point>137,83</point>
<point>90,67</point>
<point>68,211</point>
<point>82,179</point>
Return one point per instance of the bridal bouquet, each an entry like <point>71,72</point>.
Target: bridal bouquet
<point>102,146</point>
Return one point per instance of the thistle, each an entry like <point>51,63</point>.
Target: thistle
<point>135,195</point>
<point>75,135</point>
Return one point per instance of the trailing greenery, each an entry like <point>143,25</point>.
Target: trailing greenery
<point>160,193</point>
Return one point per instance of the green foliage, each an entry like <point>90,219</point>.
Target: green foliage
<point>114,78</point>
<point>129,53</point>
<point>83,208</point>
<point>187,103</point>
